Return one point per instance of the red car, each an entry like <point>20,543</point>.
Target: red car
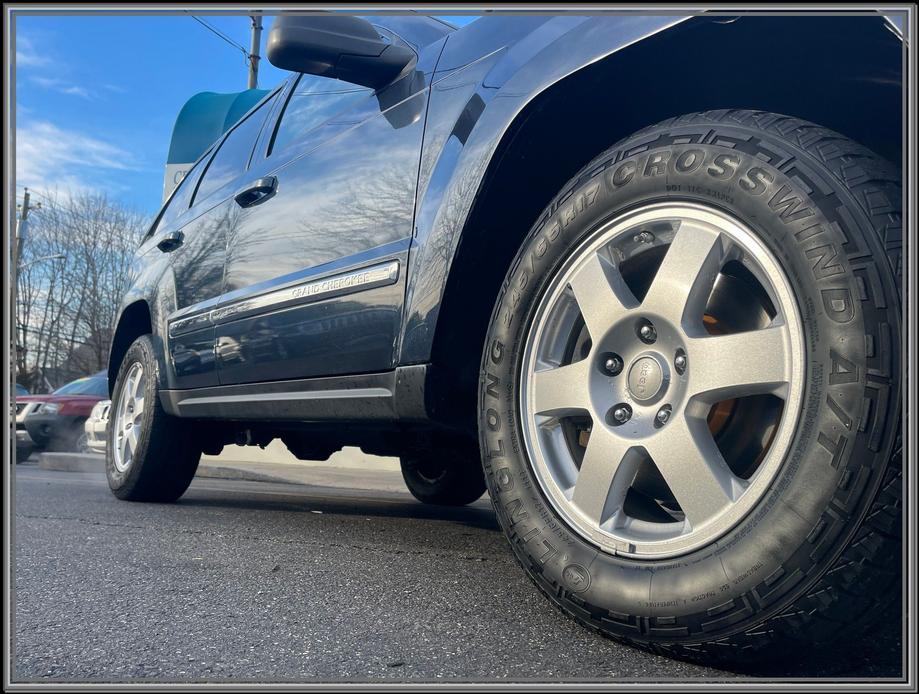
<point>55,421</point>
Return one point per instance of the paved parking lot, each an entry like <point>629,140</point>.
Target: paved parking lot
<point>277,582</point>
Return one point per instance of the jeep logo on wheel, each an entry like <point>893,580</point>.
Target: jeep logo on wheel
<point>646,378</point>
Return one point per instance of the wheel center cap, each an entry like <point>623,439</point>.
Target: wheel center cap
<point>647,378</point>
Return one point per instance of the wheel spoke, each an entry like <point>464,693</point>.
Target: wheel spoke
<point>606,473</point>
<point>139,387</point>
<point>562,390</point>
<point>601,293</point>
<point>132,437</point>
<point>123,446</point>
<point>133,384</point>
<point>694,469</point>
<point>729,366</point>
<point>686,276</point>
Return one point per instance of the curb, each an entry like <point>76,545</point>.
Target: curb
<point>72,462</point>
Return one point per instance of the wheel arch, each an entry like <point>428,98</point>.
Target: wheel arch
<point>135,320</point>
<point>810,70</point>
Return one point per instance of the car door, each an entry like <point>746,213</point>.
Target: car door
<point>315,271</point>
<point>192,277</point>
<point>198,250</point>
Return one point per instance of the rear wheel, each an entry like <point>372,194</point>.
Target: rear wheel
<point>443,477</point>
<point>689,399</point>
<point>150,455</point>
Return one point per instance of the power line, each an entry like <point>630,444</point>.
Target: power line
<point>39,194</point>
<point>220,34</point>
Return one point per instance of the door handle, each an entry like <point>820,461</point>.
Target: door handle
<point>171,241</point>
<point>257,192</point>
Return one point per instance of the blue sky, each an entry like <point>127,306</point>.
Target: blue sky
<point>97,96</point>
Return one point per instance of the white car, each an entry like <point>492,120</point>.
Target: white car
<point>24,443</point>
<point>95,426</point>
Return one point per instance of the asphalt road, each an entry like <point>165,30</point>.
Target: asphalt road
<point>280,582</point>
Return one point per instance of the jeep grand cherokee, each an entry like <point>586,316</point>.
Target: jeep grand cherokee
<point>637,276</point>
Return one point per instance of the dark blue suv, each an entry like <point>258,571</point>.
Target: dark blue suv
<point>637,276</point>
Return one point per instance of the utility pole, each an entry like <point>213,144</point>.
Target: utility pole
<point>253,50</point>
<point>19,236</point>
<point>22,227</point>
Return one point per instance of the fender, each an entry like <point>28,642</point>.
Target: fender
<point>143,309</point>
<point>475,98</point>
<point>482,100</point>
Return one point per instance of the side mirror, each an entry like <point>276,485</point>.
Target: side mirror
<point>340,46</point>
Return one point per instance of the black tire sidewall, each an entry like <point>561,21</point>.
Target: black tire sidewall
<point>836,458</point>
<point>23,452</point>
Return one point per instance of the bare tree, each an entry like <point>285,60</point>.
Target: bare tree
<point>66,307</point>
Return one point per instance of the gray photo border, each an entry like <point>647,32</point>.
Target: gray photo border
<point>906,10</point>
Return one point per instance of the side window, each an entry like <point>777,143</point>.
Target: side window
<point>312,102</point>
<point>179,200</point>
<point>233,156</point>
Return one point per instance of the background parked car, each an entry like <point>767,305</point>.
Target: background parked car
<point>55,421</point>
<point>24,444</point>
<point>21,390</point>
<point>95,426</point>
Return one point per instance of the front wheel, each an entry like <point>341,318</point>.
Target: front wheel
<point>81,445</point>
<point>150,455</point>
<point>689,399</point>
<point>68,441</point>
<point>23,451</point>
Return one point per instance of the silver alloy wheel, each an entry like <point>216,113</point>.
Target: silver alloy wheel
<point>649,375</point>
<point>126,426</point>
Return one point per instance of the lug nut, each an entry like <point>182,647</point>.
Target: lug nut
<point>663,414</point>
<point>679,362</point>
<point>622,414</point>
<point>612,364</point>
<point>647,333</point>
<point>643,237</point>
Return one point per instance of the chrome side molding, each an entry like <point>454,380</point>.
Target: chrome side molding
<point>349,282</point>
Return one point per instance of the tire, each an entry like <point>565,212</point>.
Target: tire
<point>67,441</point>
<point>23,452</point>
<point>82,444</point>
<point>443,479</point>
<point>165,457</point>
<point>818,557</point>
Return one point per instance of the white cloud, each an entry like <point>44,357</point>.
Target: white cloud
<point>27,55</point>
<point>62,86</point>
<point>49,157</point>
